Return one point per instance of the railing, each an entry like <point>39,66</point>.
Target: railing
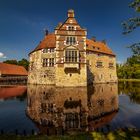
<point>13,80</point>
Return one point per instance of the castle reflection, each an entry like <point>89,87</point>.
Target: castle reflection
<point>65,110</point>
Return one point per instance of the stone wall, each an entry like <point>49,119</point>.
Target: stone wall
<point>71,79</point>
<point>102,74</point>
<point>39,74</point>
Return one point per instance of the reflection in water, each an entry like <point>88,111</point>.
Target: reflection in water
<point>132,89</point>
<point>102,105</point>
<point>12,91</point>
<point>63,110</point>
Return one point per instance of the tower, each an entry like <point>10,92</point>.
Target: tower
<point>71,69</point>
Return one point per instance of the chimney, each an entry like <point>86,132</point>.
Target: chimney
<point>59,24</point>
<point>93,38</point>
<point>71,13</point>
<point>104,41</point>
<point>46,32</point>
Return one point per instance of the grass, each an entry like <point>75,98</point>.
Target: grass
<point>128,134</point>
<point>129,80</point>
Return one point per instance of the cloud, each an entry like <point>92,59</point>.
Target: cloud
<point>2,55</point>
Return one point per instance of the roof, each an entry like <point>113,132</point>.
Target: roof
<point>50,42</point>
<point>99,47</point>
<point>47,42</point>
<point>10,69</point>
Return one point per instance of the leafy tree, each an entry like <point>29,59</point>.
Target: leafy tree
<point>131,69</point>
<point>11,62</point>
<point>132,24</point>
<point>24,63</point>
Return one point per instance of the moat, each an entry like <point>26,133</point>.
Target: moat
<point>57,111</point>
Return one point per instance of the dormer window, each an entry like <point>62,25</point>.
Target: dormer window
<point>45,50</point>
<point>48,50</point>
<point>70,40</point>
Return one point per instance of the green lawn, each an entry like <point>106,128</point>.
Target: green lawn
<point>116,135</point>
<point>129,80</point>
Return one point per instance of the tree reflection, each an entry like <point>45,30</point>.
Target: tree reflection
<point>132,89</point>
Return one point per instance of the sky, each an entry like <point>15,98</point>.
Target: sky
<point>22,24</point>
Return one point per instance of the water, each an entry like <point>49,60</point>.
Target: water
<point>50,110</point>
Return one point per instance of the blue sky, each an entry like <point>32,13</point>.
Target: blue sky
<point>22,23</point>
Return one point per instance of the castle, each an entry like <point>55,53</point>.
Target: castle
<point>66,58</point>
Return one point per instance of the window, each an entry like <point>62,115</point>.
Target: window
<point>71,40</point>
<point>45,62</point>
<point>51,62</point>
<point>48,50</point>
<point>70,28</point>
<point>48,62</point>
<point>52,50</point>
<point>45,50</point>
<point>99,64</point>
<point>71,56</point>
<point>111,65</point>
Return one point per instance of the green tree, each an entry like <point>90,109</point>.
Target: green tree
<point>24,63</point>
<point>11,62</point>
<point>131,69</point>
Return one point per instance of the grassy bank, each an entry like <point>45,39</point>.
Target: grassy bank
<point>128,134</point>
<point>129,80</point>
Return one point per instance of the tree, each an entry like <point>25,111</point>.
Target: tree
<point>132,24</point>
<point>131,69</point>
<point>11,62</point>
<point>24,63</point>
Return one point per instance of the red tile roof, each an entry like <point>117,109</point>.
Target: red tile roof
<point>10,69</point>
<point>47,42</point>
<point>99,47</point>
<point>50,42</point>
